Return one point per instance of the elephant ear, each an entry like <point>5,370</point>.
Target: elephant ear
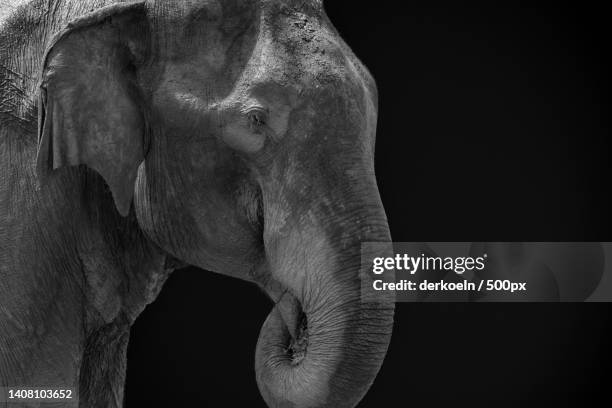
<point>89,106</point>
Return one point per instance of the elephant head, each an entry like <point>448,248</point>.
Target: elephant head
<point>243,134</point>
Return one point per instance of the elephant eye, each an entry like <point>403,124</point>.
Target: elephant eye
<point>258,118</point>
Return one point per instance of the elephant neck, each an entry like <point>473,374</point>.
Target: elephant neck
<point>75,277</point>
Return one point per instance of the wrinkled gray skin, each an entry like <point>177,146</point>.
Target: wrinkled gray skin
<point>233,135</point>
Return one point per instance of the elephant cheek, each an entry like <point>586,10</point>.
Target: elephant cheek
<point>241,138</point>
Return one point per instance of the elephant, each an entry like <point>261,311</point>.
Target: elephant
<point>236,136</point>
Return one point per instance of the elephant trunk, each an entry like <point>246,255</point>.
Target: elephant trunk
<point>324,342</point>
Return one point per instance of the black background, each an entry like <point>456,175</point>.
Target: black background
<point>493,125</point>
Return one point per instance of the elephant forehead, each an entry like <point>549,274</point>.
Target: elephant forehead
<point>297,32</point>
<point>216,49</point>
<point>182,25</point>
<point>173,10</point>
<point>303,44</point>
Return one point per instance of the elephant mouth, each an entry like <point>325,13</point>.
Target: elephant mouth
<point>295,336</point>
<point>298,345</point>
